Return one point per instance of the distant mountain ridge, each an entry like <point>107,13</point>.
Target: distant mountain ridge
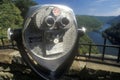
<point>115,21</point>
<point>93,22</point>
<point>105,19</point>
<point>89,22</point>
<point>113,33</point>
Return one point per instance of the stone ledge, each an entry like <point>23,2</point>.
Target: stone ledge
<point>8,56</point>
<point>12,66</point>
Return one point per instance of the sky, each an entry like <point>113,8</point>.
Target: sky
<point>89,7</point>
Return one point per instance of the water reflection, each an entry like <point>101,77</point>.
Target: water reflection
<point>98,39</point>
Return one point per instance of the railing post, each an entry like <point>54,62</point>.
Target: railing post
<point>12,43</point>
<point>90,46</point>
<point>2,42</point>
<point>118,59</point>
<point>103,53</point>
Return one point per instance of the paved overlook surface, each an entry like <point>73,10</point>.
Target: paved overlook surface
<point>12,67</point>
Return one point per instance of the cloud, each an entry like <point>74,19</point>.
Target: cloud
<point>114,12</point>
<point>97,12</point>
<point>100,1</point>
<point>92,9</point>
<point>115,5</point>
<point>104,8</point>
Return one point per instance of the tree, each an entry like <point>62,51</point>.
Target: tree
<point>113,34</point>
<point>24,5</point>
<point>9,16</point>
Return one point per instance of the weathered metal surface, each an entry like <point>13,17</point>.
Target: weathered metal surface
<point>49,38</point>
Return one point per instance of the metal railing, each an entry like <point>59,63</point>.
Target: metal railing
<point>5,43</point>
<point>12,45</point>
<point>101,58</point>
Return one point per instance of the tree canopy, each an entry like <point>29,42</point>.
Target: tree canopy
<point>113,34</point>
<point>9,16</point>
<point>12,13</point>
<point>24,5</point>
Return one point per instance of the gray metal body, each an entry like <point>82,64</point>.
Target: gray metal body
<point>36,33</point>
<point>48,41</point>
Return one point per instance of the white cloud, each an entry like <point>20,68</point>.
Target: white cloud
<point>92,9</point>
<point>115,12</point>
<point>100,1</point>
<point>104,8</point>
<point>96,12</point>
<point>115,5</point>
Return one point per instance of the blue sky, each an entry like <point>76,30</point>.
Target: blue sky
<point>89,7</point>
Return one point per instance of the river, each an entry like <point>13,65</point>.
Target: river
<point>98,39</point>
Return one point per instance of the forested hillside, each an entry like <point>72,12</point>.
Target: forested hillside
<point>9,16</point>
<point>24,5</point>
<point>12,13</point>
<point>89,22</point>
<point>115,21</point>
<point>113,33</point>
<point>104,19</point>
<point>83,48</point>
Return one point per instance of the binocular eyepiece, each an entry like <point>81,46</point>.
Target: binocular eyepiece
<point>50,21</point>
<point>60,21</point>
<point>64,21</point>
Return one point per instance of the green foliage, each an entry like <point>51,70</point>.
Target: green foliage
<point>9,17</point>
<point>24,5</point>
<point>85,48</point>
<point>113,34</point>
<point>90,22</point>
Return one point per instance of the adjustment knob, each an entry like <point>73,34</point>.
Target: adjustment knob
<point>56,40</point>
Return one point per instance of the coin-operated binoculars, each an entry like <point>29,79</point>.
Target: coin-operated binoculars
<point>48,41</point>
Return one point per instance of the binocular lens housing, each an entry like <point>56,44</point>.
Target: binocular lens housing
<point>49,21</point>
<point>64,21</point>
